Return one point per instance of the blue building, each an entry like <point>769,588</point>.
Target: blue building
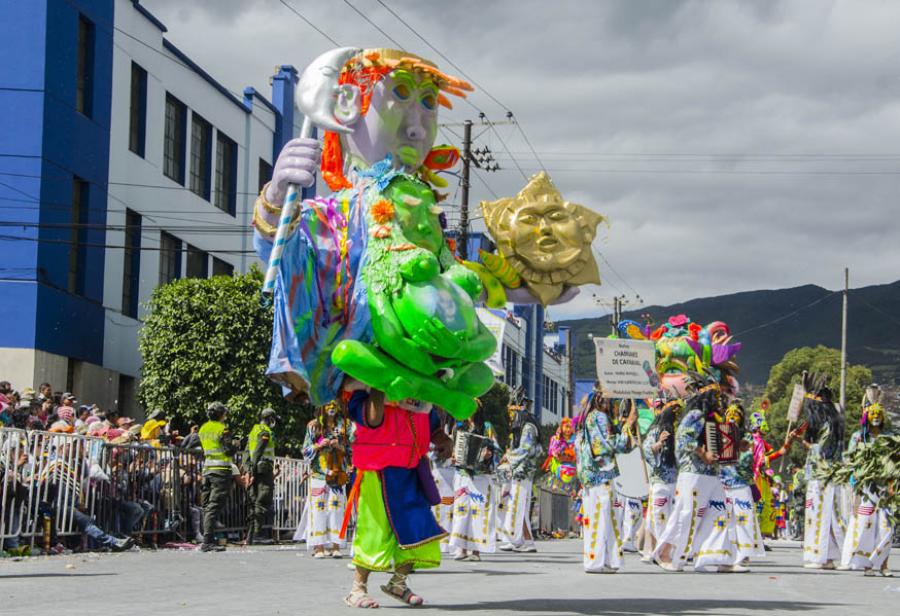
<point>123,165</point>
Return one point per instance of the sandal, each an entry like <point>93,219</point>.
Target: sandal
<point>396,588</point>
<point>359,597</point>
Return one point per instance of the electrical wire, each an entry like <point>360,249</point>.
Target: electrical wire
<point>788,315</point>
<point>308,22</point>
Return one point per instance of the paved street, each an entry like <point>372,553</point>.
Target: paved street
<point>285,580</point>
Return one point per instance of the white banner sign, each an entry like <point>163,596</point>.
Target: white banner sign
<point>497,326</point>
<point>626,368</point>
<point>793,412</point>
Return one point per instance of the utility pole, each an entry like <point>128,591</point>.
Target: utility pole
<point>462,246</point>
<point>844,340</point>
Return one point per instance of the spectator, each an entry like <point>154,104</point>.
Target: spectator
<point>84,411</point>
<point>192,440</point>
<point>65,422</point>
<point>45,392</point>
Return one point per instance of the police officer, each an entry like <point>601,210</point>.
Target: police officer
<point>218,448</point>
<point>261,447</point>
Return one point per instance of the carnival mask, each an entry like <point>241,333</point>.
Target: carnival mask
<point>758,423</point>
<point>875,415</point>
<point>544,238</point>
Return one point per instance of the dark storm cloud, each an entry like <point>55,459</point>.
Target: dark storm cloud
<point>733,145</point>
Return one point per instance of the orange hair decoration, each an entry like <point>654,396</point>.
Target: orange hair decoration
<point>383,211</point>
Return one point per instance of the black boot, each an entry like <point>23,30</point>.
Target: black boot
<point>209,544</point>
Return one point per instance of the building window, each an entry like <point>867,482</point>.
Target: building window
<point>222,268</point>
<point>226,173</point>
<point>174,140</point>
<point>131,264</point>
<point>265,174</point>
<point>84,78</point>
<point>197,263</point>
<point>201,155</point>
<point>137,118</point>
<point>169,258</point>
<point>77,239</point>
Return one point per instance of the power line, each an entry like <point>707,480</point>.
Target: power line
<point>308,22</point>
<point>376,26</point>
<point>876,309</point>
<point>622,278</point>
<point>789,315</point>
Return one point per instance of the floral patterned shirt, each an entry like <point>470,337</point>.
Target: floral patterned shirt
<point>523,460</point>
<point>596,445</point>
<point>687,437</point>
<point>740,474</point>
<point>318,460</point>
<point>659,471</point>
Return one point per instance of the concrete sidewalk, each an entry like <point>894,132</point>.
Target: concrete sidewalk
<point>286,580</point>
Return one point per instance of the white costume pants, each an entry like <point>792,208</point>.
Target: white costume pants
<point>602,525</point>
<point>444,476</point>
<point>659,507</point>
<point>698,525</point>
<point>868,540</point>
<point>325,514</point>
<point>633,517</point>
<point>474,516</point>
<point>823,535</point>
<point>517,513</point>
<point>744,524</point>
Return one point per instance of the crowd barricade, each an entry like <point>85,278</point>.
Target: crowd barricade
<point>555,512</point>
<point>128,489</point>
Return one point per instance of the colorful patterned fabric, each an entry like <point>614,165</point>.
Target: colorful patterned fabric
<point>596,445</point>
<point>738,475</point>
<point>687,437</point>
<point>658,470</point>
<point>376,545</point>
<point>523,459</point>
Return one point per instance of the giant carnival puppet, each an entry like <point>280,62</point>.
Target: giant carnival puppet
<point>372,308</point>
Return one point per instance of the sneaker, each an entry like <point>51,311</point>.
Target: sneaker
<point>886,572</point>
<point>647,558</point>
<point>813,566</point>
<point>528,548</point>
<point>843,568</point>
<point>319,554</point>
<point>474,558</point>
<point>506,547</point>
<point>670,567</point>
<point>460,555</point>
<point>336,553</point>
<point>829,566</point>
<point>120,545</point>
<point>869,572</point>
<point>212,547</point>
<point>607,569</point>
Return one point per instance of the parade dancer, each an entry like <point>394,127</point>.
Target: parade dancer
<point>698,526</point>
<point>763,456</point>
<point>867,544</point>
<point>393,491</point>
<point>326,450</point>
<point>596,443</point>
<point>823,528</point>
<point>522,459</point>
<point>475,496</point>
<point>659,453</point>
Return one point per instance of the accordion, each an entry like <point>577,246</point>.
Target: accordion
<point>722,441</point>
<point>468,449</point>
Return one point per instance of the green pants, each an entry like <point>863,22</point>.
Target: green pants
<point>260,493</point>
<point>216,487</point>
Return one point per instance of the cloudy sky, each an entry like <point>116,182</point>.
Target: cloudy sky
<point>732,145</point>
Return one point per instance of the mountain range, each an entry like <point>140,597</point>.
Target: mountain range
<point>771,322</point>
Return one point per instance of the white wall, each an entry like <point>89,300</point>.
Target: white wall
<point>165,204</point>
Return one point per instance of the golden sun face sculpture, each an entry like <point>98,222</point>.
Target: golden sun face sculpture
<point>544,238</point>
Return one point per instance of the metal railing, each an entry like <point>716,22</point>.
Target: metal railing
<point>132,489</point>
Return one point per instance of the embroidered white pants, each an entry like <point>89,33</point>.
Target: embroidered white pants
<point>823,536</point>
<point>698,525</point>
<point>869,536</point>
<point>517,510</point>
<point>474,516</point>
<point>744,524</point>
<point>602,528</point>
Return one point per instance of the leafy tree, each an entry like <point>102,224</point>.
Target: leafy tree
<point>786,373</point>
<point>494,404</point>
<point>208,340</point>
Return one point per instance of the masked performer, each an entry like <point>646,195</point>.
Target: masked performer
<point>823,530</point>
<point>698,526</point>
<point>736,479</point>
<point>659,453</point>
<point>474,506</point>
<point>763,456</point>
<point>560,462</point>
<point>867,545</point>
<point>522,459</point>
<point>596,444</point>
<point>326,448</point>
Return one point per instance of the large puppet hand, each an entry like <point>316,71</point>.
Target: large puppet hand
<point>296,164</point>
<point>436,339</point>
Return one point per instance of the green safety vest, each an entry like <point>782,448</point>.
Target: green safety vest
<point>253,441</point>
<point>211,439</point>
